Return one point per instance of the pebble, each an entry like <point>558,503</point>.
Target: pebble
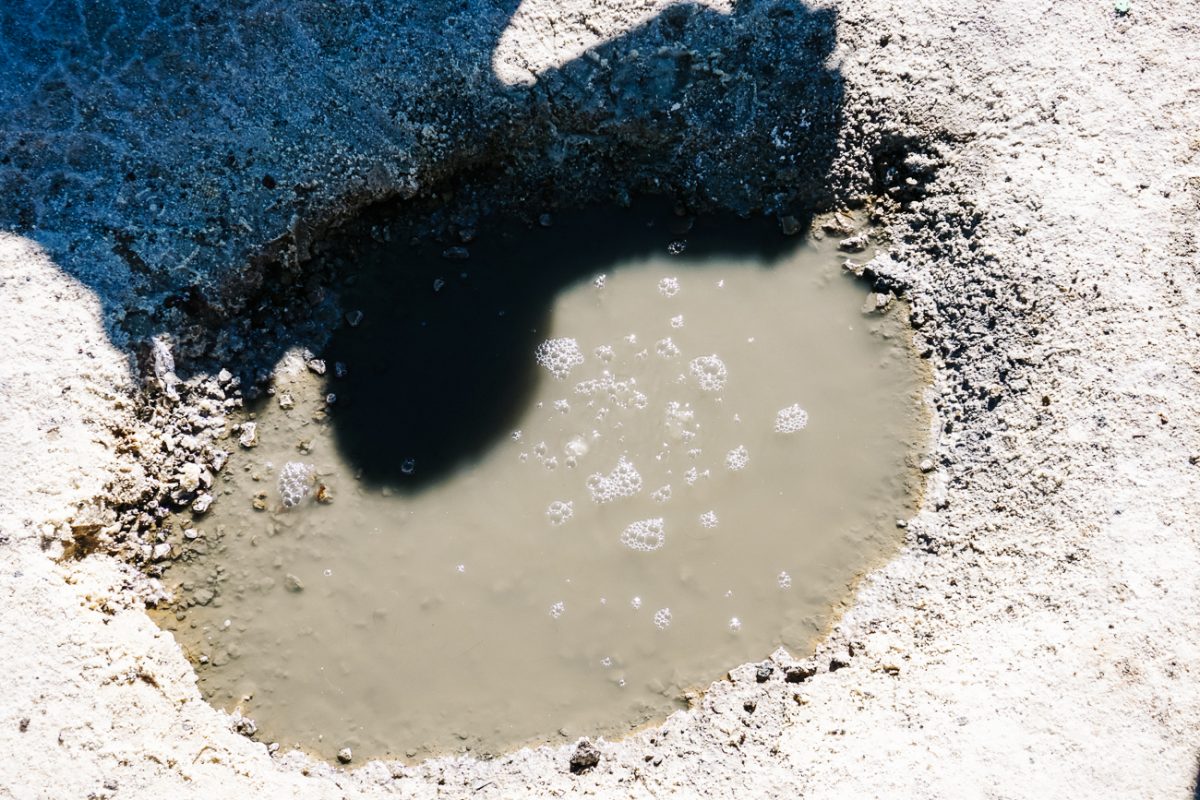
<point>764,672</point>
<point>202,503</point>
<point>292,583</point>
<point>799,673</point>
<point>354,318</point>
<point>345,755</point>
<point>855,244</point>
<point>585,757</point>
<point>456,253</point>
<point>249,435</point>
<point>317,366</point>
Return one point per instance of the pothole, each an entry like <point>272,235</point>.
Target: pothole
<point>544,483</point>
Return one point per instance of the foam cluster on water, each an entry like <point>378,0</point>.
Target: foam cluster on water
<point>709,372</point>
<point>791,419</point>
<point>662,619</point>
<point>559,356</point>
<point>621,392</point>
<point>737,458</point>
<point>709,519</point>
<point>645,535</point>
<point>623,481</point>
<point>668,287</point>
<point>560,511</point>
<point>295,483</point>
<point>665,348</point>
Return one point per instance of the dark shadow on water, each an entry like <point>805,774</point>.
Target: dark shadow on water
<point>439,376</point>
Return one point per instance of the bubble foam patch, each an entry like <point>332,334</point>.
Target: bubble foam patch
<point>295,483</point>
<point>623,481</point>
<point>709,372</point>
<point>645,535</point>
<point>791,419</point>
<point>559,356</point>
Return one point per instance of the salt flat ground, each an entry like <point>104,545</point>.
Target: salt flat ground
<point>1037,637</point>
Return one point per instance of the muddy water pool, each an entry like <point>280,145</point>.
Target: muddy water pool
<point>542,490</point>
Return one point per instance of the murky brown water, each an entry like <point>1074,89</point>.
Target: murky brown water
<point>528,541</point>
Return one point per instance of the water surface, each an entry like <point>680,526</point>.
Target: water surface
<point>568,480</point>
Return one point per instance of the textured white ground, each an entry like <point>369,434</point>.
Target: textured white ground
<point>1045,646</point>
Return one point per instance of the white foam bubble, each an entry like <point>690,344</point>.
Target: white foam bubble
<point>737,458</point>
<point>681,421</point>
<point>709,372</point>
<point>623,481</point>
<point>784,580</point>
<point>668,287</point>
<point>562,406</point>
<point>557,609</point>
<point>677,321</point>
<point>662,494</point>
<point>559,356</point>
<point>735,624</point>
<point>599,281</point>
<point>604,352</point>
<point>709,519</point>
<point>645,535</point>
<point>662,619</point>
<point>666,348</point>
<point>576,447</point>
<point>295,483</point>
<point>560,511</point>
<point>636,603</point>
<point>791,419</point>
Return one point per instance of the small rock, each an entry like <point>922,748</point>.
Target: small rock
<point>203,596</point>
<point>799,673</point>
<point>789,225</point>
<point>345,756</point>
<point>836,663</point>
<point>161,551</point>
<point>838,225</point>
<point>23,725</point>
<point>224,377</point>
<point>259,501</point>
<point>191,533</point>
<point>324,496</point>
<point>316,365</point>
<point>201,503</point>
<point>545,220</point>
<point>243,725</point>
<point>456,253</point>
<point>764,672</point>
<point>249,435</point>
<point>286,401</point>
<point>339,369</point>
<point>585,757</point>
<point>855,244</point>
<point>354,318</point>
<point>189,476</point>
<point>926,465</point>
<point>292,583</point>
